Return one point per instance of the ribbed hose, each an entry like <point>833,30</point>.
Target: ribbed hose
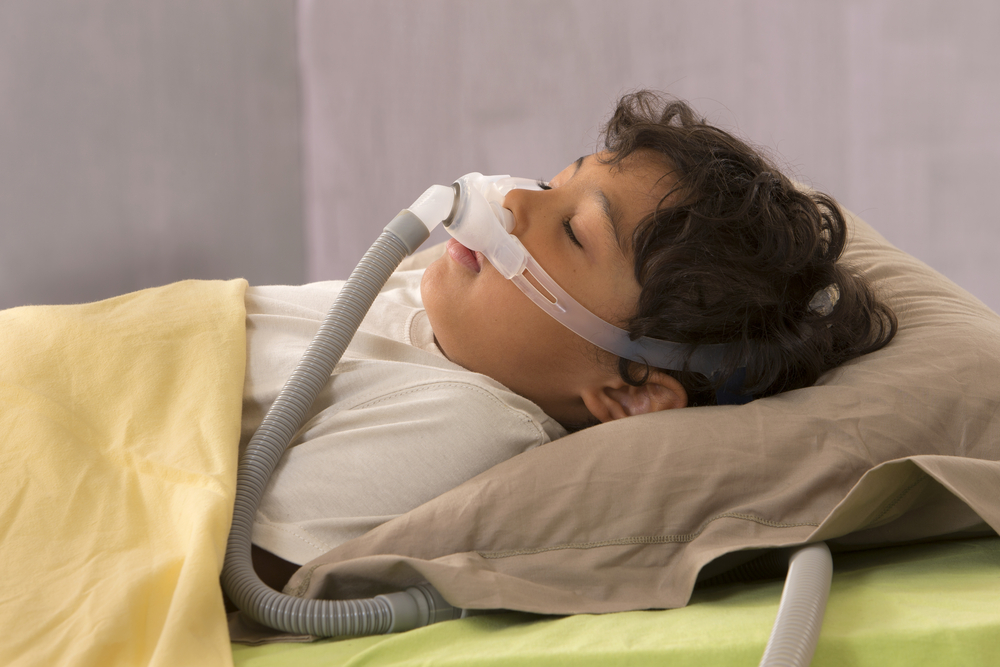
<point>803,601</point>
<point>800,612</point>
<point>325,618</point>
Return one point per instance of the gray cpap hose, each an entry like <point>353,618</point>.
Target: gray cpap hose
<point>803,600</point>
<point>800,613</point>
<point>394,612</point>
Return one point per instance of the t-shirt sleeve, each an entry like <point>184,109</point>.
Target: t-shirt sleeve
<point>351,469</point>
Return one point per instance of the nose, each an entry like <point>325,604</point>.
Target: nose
<point>517,202</point>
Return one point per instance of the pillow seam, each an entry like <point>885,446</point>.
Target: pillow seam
<point>641,539</point>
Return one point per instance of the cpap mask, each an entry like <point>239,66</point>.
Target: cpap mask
<point>476,218</point>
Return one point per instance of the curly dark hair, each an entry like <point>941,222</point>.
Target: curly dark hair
<point>734,254</point>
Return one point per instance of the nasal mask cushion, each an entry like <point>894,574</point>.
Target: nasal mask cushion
<point>479,221</point>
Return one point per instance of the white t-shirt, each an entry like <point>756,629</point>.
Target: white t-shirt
<point>397,424</point>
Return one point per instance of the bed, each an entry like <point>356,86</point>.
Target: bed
<point>120,421</point>
<point>930,604</point>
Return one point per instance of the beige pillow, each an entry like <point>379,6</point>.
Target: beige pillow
<point>625,515</point>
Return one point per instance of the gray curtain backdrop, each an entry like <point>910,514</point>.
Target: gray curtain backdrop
<point>891,106</point>
<point>146,141</point>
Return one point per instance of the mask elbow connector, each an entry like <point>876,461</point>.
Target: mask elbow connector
<point>435,205</point>
<point>414,224</point>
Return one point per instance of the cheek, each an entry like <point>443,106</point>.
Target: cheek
<point>466,311</point>
<point>488,326</point>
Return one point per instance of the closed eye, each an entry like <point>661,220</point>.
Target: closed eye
<point>569,232</point>
<point>567,227</point>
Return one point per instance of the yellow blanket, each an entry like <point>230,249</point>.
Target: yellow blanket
<point>119,423</point>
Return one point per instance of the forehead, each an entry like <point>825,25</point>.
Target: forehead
<point>647,172</point>
<point>638,181</point>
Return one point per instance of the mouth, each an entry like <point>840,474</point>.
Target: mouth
<point>462,255</point>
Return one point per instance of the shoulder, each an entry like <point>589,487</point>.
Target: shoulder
<point>313,300</point>
<point>310,301</point>
<point>456,406</point>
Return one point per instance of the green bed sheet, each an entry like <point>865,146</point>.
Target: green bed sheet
<point>929,604</point>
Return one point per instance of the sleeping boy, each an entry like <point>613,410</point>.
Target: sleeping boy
<point>675,230</point>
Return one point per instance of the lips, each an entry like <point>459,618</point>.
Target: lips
<point>462,255</point>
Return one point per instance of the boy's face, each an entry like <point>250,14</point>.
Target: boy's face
<point>579,232</point>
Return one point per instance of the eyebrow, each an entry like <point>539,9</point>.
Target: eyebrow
<point>614,223</point>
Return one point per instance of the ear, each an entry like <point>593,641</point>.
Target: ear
<point>616,399</point>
